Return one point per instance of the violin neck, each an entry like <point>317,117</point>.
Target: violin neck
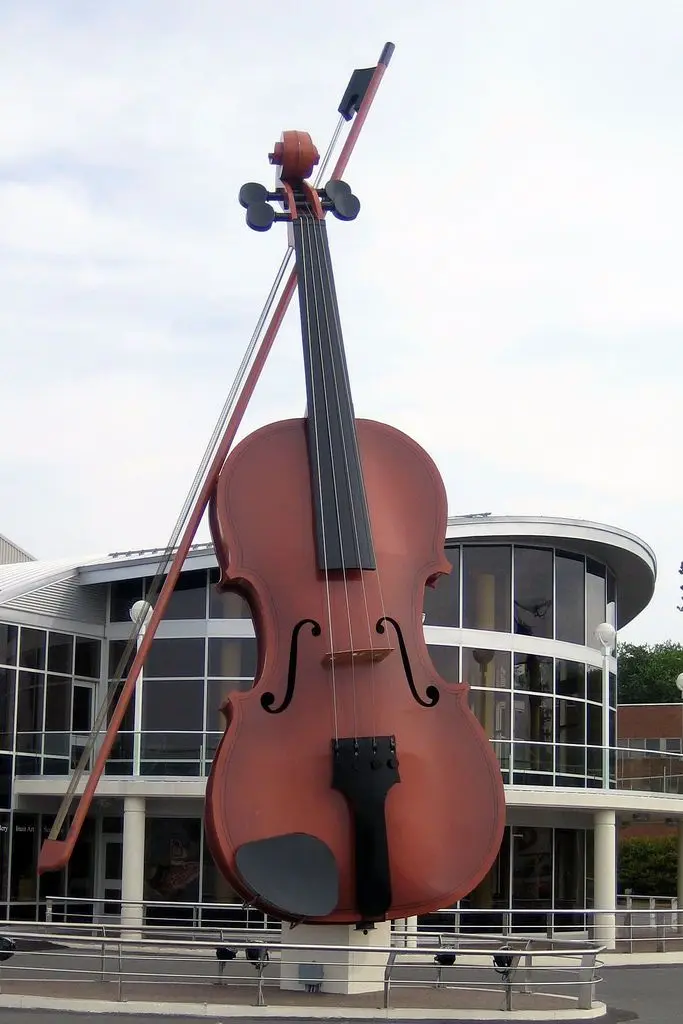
<point>343,534</point>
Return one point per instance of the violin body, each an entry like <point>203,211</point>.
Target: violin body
<point>272,775</point>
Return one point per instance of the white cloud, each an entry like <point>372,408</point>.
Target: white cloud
<point>510,292</point>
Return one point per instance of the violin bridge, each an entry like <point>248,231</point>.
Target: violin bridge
<point>363,655</point>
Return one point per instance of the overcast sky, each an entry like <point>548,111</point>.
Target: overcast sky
<point>510,292</point>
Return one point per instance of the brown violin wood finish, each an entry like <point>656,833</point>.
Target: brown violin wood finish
<point>352,784</point>
<point>272,773</point>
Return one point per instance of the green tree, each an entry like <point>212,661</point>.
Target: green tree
<point>647,673</point>
<point>648,866</point>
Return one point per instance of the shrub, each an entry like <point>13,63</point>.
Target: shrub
<point>648,866</point>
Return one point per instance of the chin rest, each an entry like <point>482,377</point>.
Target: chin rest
<point>295,873</point>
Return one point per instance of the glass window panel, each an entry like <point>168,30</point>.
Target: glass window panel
<point>175,705</point>
<point>215,889</point>
<point>60,653</point>
<point>217,690</point>
<point>442,601</point>
<point>87,661</point>
<point>569,761</point>
<point>594,683</point>
<point>81,874</point>
<point>533,719</point>
<point>596,600</point>
<point>172,859</point>
<point>533,672</point>
<point>122,596</point>
<point>487,587</point>
<point>532,757</point>
<point>486,668</point>
<point>227,604</point>
<point>57,704</point>
<point>127,725</point>
<point>8,644</point>
<point>29,711</point>
<point>493,892</point>
<point>181,657</point>
<point>32,648</point>
<point>492,709</point>
<point>532,868</point>
<point>5,786</point>
<point>533,605</point>
<point>171,753</point>
<point>7,684</point>
<point>570,878</point>
<point>116,652</point>
<point>188,600</point>
<point>570,598</point>
<point>570,721</point>
<point>594,725</point>
<point>81,719</point>
<point>611,616</point>
<point>612,690</point>
<point>522,778</point>
<point>24,858</point>
<point>446,661</point>
<point>570,678</point>
<point>232,657</point>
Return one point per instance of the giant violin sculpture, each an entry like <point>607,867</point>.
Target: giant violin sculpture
<point>352,784</point>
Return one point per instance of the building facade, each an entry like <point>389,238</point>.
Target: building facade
<point>516,619</point>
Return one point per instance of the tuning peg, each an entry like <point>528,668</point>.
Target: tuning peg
<point>260,216</point>
<point>343,203</point>
<point>252,192</point>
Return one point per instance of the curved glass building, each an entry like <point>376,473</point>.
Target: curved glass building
<point>516,619</point>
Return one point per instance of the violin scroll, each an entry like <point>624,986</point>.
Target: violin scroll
<point>296,156</point>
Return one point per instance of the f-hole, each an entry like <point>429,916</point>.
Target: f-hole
<point>268,699</point>
<point>431,693</point>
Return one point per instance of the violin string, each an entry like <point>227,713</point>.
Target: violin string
<point>308,228</point>
<point>304,293</point>
<point>377,575</point>
<point>325,263</point>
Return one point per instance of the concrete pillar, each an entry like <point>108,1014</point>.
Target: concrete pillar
<point>679,889</point>
<point>405,931</point>
<point>605,871</point>
<point>133,873</point>
<point>345,971</point>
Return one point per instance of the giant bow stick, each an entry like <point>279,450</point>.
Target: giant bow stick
<point>55,852</point>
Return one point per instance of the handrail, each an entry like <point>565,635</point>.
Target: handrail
<point>551,966</point>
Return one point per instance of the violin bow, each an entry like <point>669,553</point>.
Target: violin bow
<point>55,852</point>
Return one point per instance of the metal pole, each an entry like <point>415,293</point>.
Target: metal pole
<point>605,718</point>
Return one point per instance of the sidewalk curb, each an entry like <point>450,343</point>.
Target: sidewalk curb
<point>227,1011</point>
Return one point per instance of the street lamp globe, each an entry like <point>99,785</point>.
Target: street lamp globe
<point>606,634</point>
<point>141,612</point>
<point>679,684</point>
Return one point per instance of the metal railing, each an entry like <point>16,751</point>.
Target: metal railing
<point>636,924</point>
<point>239,967</point>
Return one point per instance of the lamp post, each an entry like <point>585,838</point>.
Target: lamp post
<point>606,635</point>
<point>679,889</point>
<point>133,854</point>
<point>140,613</point>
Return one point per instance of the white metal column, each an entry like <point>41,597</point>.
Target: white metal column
<point>133,873</point>
<point>605,870</point>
